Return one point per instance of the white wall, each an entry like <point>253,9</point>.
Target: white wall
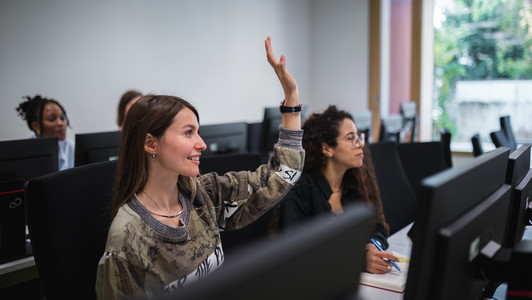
<point>339,47</point>
<point>85,54</point>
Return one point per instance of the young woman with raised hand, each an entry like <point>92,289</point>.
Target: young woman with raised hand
<point>165,218</point>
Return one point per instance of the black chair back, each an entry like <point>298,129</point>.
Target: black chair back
<point>398,198</point>
<point>68,220</point>
<point>477,145</point>
<point>506,127</point>
<point>445,140</point>
<point>421,160</point>
<point>499,139</point>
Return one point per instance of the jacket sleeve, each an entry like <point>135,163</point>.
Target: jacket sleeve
<point>380,234</point>
<point>242,197</point>
<point>125,282</point>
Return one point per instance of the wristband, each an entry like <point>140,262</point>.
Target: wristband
<point>289,109</point>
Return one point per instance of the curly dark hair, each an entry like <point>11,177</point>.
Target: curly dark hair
<point>324,128</point>
<point>31,110</point>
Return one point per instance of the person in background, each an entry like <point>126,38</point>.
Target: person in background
<point>337,171</point>
<point>47,118</point>
<point>166,220</point>
<point>127,99</point>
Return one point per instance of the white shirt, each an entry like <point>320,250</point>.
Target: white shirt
<point>66,154</point>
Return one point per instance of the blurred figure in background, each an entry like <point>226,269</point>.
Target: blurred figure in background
<point>127,99</point>
<point>47,118</point>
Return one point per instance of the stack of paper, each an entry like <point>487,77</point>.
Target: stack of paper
<point>393,280</point>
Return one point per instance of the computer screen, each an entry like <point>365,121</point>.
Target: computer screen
<point>20,161</point>
<point>96,147</point>
<point>224,138</point>
<point>459,269</point>
<point>445,197</point>
<point>322,260</point>
<point>271,124</point>
<point>518,175</point>
<point>391,127</point>
<point>363,122</point>
<point>28,158</point>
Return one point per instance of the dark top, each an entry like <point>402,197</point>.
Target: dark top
<point>310,198</point>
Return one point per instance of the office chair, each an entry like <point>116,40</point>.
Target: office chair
<point>445,140</point>
<point>68,220</point>
<point>499,140</point>
<point>398,197</point>
<point>477,145</point>
<point>506,127</point>
<point>221,164</point>
<point>420,160</point>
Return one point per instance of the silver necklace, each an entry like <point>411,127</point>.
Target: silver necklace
<point>164,216</point>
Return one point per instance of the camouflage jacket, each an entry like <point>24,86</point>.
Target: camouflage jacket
<point>145,258</point>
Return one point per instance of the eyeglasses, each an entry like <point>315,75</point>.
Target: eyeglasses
<point>358,139</point>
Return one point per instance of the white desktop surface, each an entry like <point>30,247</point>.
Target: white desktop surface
<point>399,242</point>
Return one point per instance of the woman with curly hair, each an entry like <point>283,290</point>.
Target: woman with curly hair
<point>47,118</point>
<point>334,175</point>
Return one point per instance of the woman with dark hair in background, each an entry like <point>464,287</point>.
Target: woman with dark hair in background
<point>127,99</point>
<point>165,219</point>
<point>336,173</point>
<point>47,118</point>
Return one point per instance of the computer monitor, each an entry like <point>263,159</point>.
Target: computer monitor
<point>271,124</point>
<point>224,138</point>
<point>409,113</point>
<point>518,174</point>
<point>363,122</point>
<point>20,161</point>
<point>28,158</point>
<point>391,127</point>
<point>96,147</point>
<point>459,269</point>
<point>322,260</point>
<point>445,197</point>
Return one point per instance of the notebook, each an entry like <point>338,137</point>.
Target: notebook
<point>393,280</point>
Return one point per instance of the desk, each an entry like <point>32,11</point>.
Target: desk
<point>17,271</point>
<point>399,242</point>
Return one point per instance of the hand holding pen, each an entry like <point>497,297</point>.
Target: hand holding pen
<point>379,261</point>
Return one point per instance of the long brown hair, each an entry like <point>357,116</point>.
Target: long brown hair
<point>324,128</point>
<point>151,114</point>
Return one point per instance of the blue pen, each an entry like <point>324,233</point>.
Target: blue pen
<point>378,245</point>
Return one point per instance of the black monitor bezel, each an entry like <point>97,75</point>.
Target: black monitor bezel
<point>231,137</point>
<point>461,242</point>
<point>465,186</point>
<point>317,261</point>
<point>28,151</point>
<point>103,144</point>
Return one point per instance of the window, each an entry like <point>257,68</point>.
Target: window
<point>482,68</point>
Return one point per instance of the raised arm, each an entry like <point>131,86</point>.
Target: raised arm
<point>291,93</point>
